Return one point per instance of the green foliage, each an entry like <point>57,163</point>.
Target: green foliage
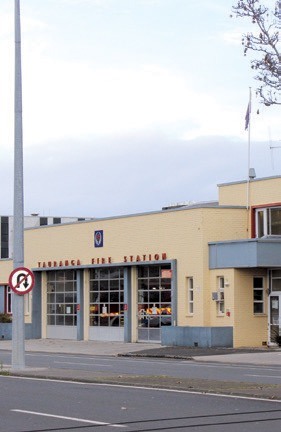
<point>5,318</point>
<point>276,337</point>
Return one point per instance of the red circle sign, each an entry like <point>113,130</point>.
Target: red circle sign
<point>21,280</point>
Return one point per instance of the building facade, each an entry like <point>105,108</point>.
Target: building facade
<point>32,221</point>
<point>206,274</point>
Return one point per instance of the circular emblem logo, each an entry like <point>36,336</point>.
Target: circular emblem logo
<point>98,238</point>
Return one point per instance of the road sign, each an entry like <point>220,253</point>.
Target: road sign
<point>21,280</point>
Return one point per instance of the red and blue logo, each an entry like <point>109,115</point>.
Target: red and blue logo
<point>98,238</point>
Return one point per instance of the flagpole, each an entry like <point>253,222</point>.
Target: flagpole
<point>248,126</point>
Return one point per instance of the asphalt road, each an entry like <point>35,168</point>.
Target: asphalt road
<point>248,380</point>
<point>36,405</point>
<point>104,366</point>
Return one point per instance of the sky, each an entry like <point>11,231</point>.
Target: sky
<point>130,105</point>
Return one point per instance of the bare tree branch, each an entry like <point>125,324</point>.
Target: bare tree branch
<point>263,43</point>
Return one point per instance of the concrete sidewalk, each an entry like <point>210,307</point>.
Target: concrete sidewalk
<point>95,348</point>
<point>255,356</point>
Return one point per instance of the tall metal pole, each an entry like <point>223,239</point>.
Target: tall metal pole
<point>248,115</point>
<point>279,27</point>
<point>18,332</point>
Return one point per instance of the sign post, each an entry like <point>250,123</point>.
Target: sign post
<point>18,330</point>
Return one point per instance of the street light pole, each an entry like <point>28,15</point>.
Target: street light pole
<point>18,332</point>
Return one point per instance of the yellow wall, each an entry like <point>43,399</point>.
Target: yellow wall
<point>6,267</point>
<point>249,329</point>
<point>261,191</point>
<point>226,319</point>
<point>182,235</point>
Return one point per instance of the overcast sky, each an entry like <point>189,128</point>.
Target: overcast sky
<point>129,105</point>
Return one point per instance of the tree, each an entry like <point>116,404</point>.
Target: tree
<point>264,41</point>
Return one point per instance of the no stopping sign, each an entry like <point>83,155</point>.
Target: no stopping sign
<point>21,280</point>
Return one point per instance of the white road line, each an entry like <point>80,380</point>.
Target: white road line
<point>131,387</point>
<point>230,366</point>
<point>67,418</point>
<point>84,364</point>
<point>62,356</point>
<point>264,376</point>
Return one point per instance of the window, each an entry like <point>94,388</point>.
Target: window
<point>268,222</point>
<point>61,298</point>
<point>190,295</point>
<point>4,229</point>
<point>43,221</point>
<point>275,280</point>
<point>8,300</point>
<point>27,304</point>
<point>154,300</point>
<point>57,220</point>
<point>258,295</point>
<point>220,303</point>
<point>107,297</point>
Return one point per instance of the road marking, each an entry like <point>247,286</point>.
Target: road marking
<point>84,364</point>
<point>230,366</point>
<point>62,355</point>
<point>131,387</point>
<point>264,376</point>
<point>67,418</point>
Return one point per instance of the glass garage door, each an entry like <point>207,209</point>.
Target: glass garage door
<point>107,304</point>
<point>154,302</point>
<point>61,304</point>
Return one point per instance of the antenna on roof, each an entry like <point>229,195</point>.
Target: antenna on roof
<point>272,147</point>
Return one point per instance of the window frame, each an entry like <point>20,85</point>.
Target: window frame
<point>8,300</point>
<point>265,213</point>
<point>106,297</point>
<point>258,302</point>
<point>221,302</point>
<point>190,295</point>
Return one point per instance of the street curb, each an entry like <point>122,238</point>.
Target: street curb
<point>158,356</point>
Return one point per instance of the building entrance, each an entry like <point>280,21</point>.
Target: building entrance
<point>61,304</point>
<point>154,301</point>
<point>275,317</point>
<point>275,307</point>
<point>107,304</point>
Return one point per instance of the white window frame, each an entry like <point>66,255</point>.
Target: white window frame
<point>220,303</point>
<point>258,302</point>
<point>264,228</point>
<point>267,227</point>
<point>190,295</point>
<point>27,304</point>
<point>8,300</point>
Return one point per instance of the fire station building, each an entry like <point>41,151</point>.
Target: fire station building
<point>203,274</point>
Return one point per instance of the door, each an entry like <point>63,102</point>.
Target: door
<point>154,301</point>
<point>275,318</point>
<point>61,304</point>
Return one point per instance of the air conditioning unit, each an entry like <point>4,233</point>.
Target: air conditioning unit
<point>217,296</point>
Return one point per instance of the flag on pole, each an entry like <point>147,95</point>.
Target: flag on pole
<point>247,116</point>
